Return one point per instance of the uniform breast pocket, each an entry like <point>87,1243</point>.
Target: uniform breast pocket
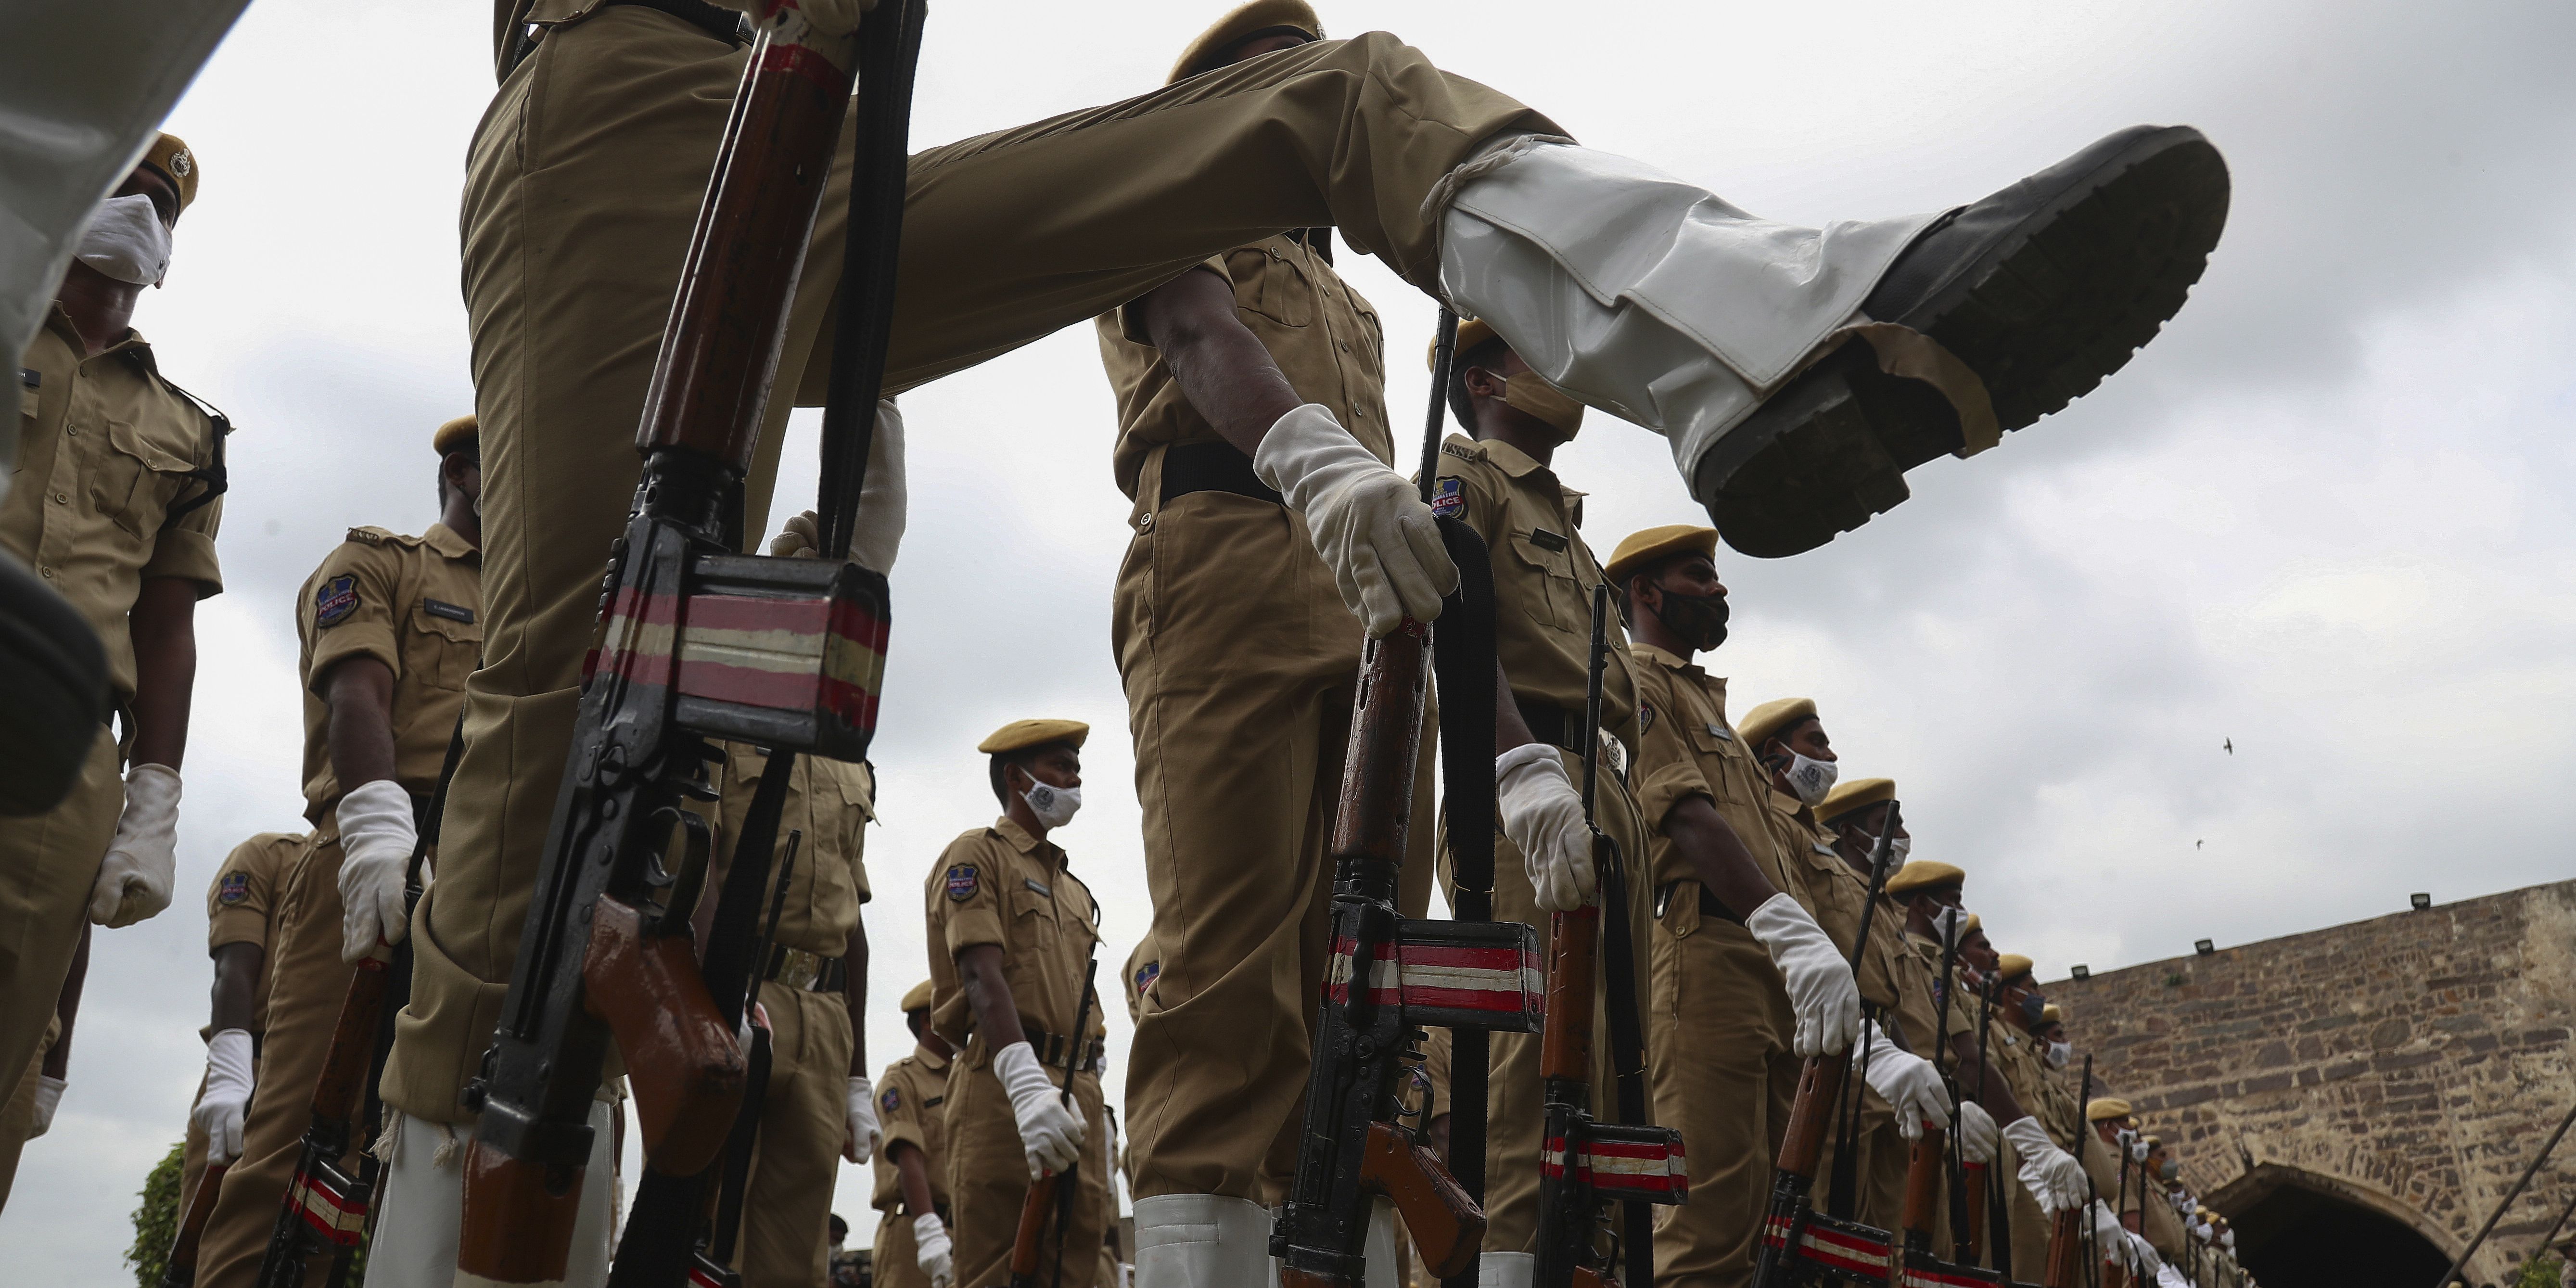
<point>1554,598</point>
<point>1271,286</point>
<point>134,479</point>
<point>440,649</point>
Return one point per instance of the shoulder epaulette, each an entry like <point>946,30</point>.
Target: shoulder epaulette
<point>370,536</point>
<point>1462,453</point>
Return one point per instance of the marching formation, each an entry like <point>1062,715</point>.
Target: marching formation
<point>587,856</point>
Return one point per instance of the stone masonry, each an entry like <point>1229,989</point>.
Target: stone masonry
<point>2411,1064</point>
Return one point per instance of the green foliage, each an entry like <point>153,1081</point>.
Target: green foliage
<point>156,1220</point>
<point>2543,1271</point>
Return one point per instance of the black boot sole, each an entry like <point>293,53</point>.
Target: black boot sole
<point>2042,313</point>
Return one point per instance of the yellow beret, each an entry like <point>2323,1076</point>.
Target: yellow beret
<point>1927,874</point>
<point>1972,924</point>
<point>1471,332</point>
<point>464,431</point>
<point>1645,547</point>
<point>2011,966</point>
<point>2154,1141</point>
<point>1019,735</point>
<point>1247,18</point>
<point>1767,721</point>
<point>2106,1109</point>
<point>1854,796</point>
<point>918,999</point>
<point>2049,1014</point>
<point>169,155</point>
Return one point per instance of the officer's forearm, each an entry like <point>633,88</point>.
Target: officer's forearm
<point>1509,729</point>
<point>1983,1085</point>
<point>913,1175</point>
<point>854,994</point>
<point>997,1013</point>
<point>163,624</point>
<point>58,1061</point>
<point>359,736</point>
<point>1230,380</point>
<point>1713,850</point>
<point>236,983</point>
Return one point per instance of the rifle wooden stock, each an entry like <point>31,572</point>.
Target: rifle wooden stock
<point>1976,1187</point>
<point>1376,807</point>
<point>1573,967</point>
<point>1923,1186</point>
<point>1033,1222</point>
<point>519,1217</point>
<point>343,1082</point>
<point>1447,1226</point>
<point>687,1070</point>
<point>2064,1267</point>
<point>1820,1084</point>
<point>179,1269</point>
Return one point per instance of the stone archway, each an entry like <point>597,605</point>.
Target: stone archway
<point>2299,1229</point>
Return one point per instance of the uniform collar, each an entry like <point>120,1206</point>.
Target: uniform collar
<point>1666,660</point>
<point>1020,839</point>
<point>60,320</point>
<point>928,1058</point>
<point>444,540</point>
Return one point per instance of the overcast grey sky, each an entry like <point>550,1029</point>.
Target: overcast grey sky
<point>2324,516</point>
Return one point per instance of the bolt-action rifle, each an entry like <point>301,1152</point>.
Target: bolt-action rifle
<point>696,643</point>
<point>1051,1195</point>
<point>713,1264</point>
<point>1998,1202</point>
<point>1588,1164</point>
<point>2070,1232</point>
<point>1389,975</point>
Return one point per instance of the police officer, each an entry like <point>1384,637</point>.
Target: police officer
<point>1010,932</point>
<point>1744,980</point>
<point>2051,1129</point>
<point>2120,1203</point>
<point>239,930</point>
<point>114,507</point>
<point>391,626</point>
<point>913,1248</point>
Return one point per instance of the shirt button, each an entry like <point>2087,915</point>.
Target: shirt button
<point>62,498</point>
<point>47,571</point>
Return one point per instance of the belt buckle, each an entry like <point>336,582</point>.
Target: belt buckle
<point>1614,754</point>
<point>796,968</point>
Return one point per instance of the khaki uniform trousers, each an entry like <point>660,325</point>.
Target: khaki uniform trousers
<point>47,865</point>
<point>896,1260</point>
<point>306,986</point>
<point>1239,661</point>
<point>1879,1160</point>
<point>583,183</point>
<point>1725,1076</point>
<point>2030,1227</point>
<point>1516,1106</point>
<point>804,1115</point>
<point>988,1180</point>
<point>18,1117</point>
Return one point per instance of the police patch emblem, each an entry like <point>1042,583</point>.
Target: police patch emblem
<point>1447,498</point>
<point>891,1100</point>
<point>961,882</point>
<point>334,602</point>
<point>1645,717</point>
<point>1145,977</point>
<point>236,887</point>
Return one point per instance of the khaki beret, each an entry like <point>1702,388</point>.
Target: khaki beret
<point>1767,721</point>
<point>1854,796</point>
<point>1020,735</point>
<point>2106,1109</point>
<point>169,156</point>
<point>2154,1142</point>
<point>1927,874</point>
<point>1644,547</point>
<point>2011,966</point>
<point>2049,1014</point>
<point>1248,19</point>
<point>1471,332</point>
<point>464,431</point>
<point>1973,924</point>
<point>918,999</point>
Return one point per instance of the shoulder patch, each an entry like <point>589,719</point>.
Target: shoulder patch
<point>1449,497</point>
<point>1645,716</point>
<point>892,1100</point>
<point>452,612</point>
<point>961,882</point>
<point>335,600</point>
<point>235,888</point>
<point>1145,977</point>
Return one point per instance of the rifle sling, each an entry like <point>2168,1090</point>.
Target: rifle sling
<point>1462,662</point>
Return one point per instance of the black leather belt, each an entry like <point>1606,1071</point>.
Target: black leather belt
<point>1211,467</point>
<point>1050,1048</point>
<point>1552,725</point>
<point>812,972</point>
<point>1709,904</point>
<point>716,20</point>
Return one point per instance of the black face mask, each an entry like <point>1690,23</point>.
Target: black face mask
<point>2031,1005</point>
<point>1699,619</point>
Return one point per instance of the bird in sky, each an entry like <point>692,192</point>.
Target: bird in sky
<point>2197,844</point>
<point>2229,746</point>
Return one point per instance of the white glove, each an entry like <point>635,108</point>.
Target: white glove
<point>2144,1260</point>
<point>377,836</point>
<point>2227,1240</point>
<point>2052,1175</point>
<point>831,17</point>
<point>227,1097</point>
<point>1543,815</point>
<point>134,882</point>
<point>1821,990</point>
<point>2110,1238</point>
<point>1909,1083</point>
<point>2168,1277</point>
<point>1050,1133</point>
<point>882,505</point>
<point>864,1132</point>
<point>1977,1136</point>
<point>1368,523</point>
<point>931,1249</point>
<point>49,1096</point>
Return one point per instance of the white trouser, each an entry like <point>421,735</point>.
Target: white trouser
<point>415,1241</point>
<point>1645,296</point>
<point>1210,1241</point>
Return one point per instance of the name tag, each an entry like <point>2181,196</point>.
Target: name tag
<point>1040,886</point>
<point>1716,730</point>
<point>452,612</point>
<point>1546,540</point>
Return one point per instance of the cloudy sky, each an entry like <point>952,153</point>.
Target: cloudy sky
<point>2316,518</point>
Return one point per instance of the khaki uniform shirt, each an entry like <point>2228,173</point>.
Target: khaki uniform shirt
<point>413,604</point>
<point>103,453</point>
<point>239,902</point>
<point>1958,1009</point>
<point>1000,885</point>
<point>830,803</point>
<point>1543,579</point>
<point>1686,748</point>
<point>2009,1050</point>
<point>1325,338</point>
<point>909,1100</point>
<point>1887,971</point>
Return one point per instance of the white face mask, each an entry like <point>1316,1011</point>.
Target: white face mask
<point>1054,806</point>
<point>125,239</point>
<point>2059,1053</point>
<point>1948,921</point>
<point>2227,1240</point>
<point>1896,850</point>
<point>1811,779</point>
